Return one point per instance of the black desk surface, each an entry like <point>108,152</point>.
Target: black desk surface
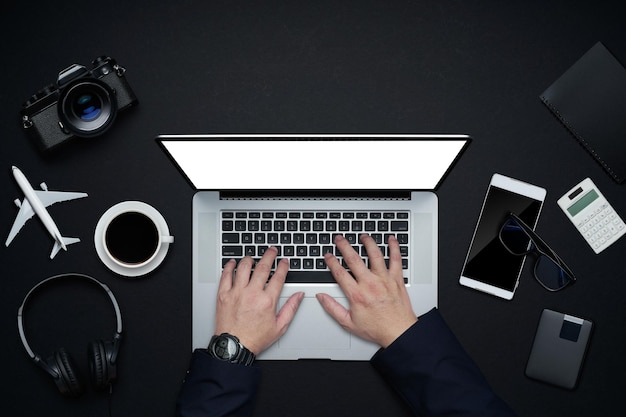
<point>288,67</point>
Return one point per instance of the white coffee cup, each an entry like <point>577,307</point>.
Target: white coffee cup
<point>132,238</point>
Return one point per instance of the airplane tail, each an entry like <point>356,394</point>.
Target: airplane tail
<point>66,241</point>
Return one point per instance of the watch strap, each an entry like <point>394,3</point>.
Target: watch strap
<point>245,357</point>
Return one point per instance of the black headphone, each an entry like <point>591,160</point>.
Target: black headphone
<point>102,355</point>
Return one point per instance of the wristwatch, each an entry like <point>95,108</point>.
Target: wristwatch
<point>228,348</point>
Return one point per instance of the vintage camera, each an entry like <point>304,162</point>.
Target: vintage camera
<point>83,103</point>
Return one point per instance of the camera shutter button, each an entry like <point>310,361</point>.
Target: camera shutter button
<point>100,60</point>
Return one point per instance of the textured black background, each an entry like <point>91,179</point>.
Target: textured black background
<point>433,66</point>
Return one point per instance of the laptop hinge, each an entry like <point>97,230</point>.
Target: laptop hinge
<point>316,195</point>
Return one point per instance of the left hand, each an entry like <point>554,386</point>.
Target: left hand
<point>246,305</point>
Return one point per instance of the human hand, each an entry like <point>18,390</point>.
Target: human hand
<point>380,309</point>
<point>246,305</point>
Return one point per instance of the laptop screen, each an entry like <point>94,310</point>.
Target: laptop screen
<point>314,162</point>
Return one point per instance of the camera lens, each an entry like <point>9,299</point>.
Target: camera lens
<point>87,107</point>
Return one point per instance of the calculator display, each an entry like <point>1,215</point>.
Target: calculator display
<point>581,204</point>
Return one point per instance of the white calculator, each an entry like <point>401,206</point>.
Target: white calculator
<point>592,215</point>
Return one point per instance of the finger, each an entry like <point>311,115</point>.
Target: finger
<point>288,311</point>
<point>242,274</point>
<point>353,259</point>
<point>226,280</point>
<point>263,268</point>
<point>343,277</point>
<point>275,286</point>
<point>395,259</point>
<point>338,312</point>
<point>376,258</point>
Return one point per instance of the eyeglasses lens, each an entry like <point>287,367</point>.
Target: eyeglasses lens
<point>514,237</point>
<point>550,274</point>
<point>547,271</point>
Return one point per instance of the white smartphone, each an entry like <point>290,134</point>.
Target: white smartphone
<point>489,266</point>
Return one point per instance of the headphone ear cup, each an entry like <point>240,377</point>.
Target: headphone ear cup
<point>68,381</point>
<point>103,371</point>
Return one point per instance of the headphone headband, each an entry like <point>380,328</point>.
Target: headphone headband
<point>20,310</point>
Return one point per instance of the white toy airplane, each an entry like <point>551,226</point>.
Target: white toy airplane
<point>35,202</point>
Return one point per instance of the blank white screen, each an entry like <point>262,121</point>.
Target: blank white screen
<point>257,162</point>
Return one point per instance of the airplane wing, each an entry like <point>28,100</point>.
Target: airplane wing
<point>25,213</point>
<point>47,199</point>
<point>50,197</point>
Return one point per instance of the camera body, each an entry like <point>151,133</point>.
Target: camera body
<point>83,103</point>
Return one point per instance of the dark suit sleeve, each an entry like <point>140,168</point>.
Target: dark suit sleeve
<point>428,368</point>
<point>215,388</point>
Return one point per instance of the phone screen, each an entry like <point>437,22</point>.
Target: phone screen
<point>488,260</point>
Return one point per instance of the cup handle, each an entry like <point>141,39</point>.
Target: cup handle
<point>167,239</point>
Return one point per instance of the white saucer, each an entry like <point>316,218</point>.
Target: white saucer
<point>117,210</point>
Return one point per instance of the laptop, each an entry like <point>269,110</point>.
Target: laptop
<point>296,192</point>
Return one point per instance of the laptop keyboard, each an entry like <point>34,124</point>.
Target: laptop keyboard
<point>304,237</point>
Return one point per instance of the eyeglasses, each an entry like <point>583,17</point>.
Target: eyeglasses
<point>550,270</point>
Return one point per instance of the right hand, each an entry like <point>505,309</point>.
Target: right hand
<point>380,309</point>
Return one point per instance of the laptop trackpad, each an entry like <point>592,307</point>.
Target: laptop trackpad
<point>313,328</point>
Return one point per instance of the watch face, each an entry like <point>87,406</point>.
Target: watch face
<point>225,347</point>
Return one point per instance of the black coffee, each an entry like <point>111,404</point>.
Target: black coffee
<point>132,238</point>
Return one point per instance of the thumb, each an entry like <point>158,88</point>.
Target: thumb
<point>335,310</point>
<point>288,311</point>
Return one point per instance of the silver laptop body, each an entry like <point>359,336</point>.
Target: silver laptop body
<point>222,217</point>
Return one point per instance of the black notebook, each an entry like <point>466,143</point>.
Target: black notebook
<point>590,100</point>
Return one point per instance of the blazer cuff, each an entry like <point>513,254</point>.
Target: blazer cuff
<point>214,387</point>
<point>425,324</point>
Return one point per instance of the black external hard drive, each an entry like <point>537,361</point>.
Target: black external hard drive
<point>559,349</point>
